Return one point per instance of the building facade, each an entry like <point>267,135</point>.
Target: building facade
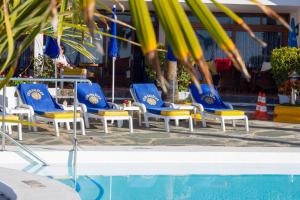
<point>130,66</point>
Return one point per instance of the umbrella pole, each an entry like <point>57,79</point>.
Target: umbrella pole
<point>55,74</point>
<point>113,79</point>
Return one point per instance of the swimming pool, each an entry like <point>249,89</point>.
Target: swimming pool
<point>193,187</point>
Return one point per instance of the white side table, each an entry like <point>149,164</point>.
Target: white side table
<point>131,110</point>
<point>187,107</point>
<point>22,112</point>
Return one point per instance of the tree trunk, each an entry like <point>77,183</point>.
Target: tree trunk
<point>171,76</point>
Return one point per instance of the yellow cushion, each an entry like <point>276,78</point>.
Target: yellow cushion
<point>77,71</point>
<point>287,110</point>
<point>287,119</point>
<point>113,113</point>
<point>229,112</point>
<point>175,112</point>
<point>60,115</point>
<point>10,117</point>
<point>198,116</point>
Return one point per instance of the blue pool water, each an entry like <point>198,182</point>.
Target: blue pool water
<point>194,187</point>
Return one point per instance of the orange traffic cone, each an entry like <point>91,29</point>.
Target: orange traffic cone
<point>261,107</point>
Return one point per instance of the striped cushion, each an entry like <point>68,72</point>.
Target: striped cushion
<point>60,115</point>
<point>229,112</point>
<point>74,71</point>
<point>112,113</point>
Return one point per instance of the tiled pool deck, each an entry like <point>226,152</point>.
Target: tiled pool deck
<point>262,134</point>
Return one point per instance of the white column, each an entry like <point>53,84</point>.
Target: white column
<point>38,45</point>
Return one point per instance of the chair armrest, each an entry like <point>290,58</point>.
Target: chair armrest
<point>141,106</point>
<point>169,104</point>
<point>26,107</point>
<point>82,107</point>
<point>198,106</point>
<point>228,105</point>
<point>113,105</point>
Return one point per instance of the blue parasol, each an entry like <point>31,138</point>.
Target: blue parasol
<point>292,35</point>
<point>113,49</point>
<point>52,50</point>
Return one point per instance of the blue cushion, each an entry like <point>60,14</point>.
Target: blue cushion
<point>38,96</point>
<point>210,100</point>
<point>148,95</point>
<point>96,110</point>
<point>92,96</point>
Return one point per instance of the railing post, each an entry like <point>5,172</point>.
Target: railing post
<point>3,117</point>
<point>75,124</point>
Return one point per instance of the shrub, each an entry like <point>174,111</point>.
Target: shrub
<point>183,77</point>
<point>283,61</point>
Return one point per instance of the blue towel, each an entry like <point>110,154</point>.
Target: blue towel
<point>38,96</point>
<point>210,100</point>
<point>148,95</point>
<point>92,96</point>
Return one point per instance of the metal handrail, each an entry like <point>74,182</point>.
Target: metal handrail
<point>24,148</point>
<point>4,135</point>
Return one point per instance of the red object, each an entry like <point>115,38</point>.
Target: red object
<point>223,64</point>
<point>261,107</point>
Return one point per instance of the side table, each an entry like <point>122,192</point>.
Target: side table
<point>131,110</point>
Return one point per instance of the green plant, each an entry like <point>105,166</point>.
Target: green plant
<point>43,67</point>
<point>283,61</point>
<point>183,77</point>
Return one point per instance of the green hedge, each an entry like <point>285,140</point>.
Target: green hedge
<point>283,61</point>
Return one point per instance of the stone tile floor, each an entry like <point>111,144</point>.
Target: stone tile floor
<point>262,134</point>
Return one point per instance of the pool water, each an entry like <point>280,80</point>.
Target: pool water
<point>194,187</point>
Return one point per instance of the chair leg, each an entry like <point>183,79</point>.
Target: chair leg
<point>223,124</point>
<point>105,125</point>
<point>246,124</point>
<point>56,128</point>
<point>203,120</point>
<point>119,123</point>
<point>68,126</point>
<point>130,125</point>
<point>176,122</point>
<point>33,119</point>
<point>191,124</point>
<point>9,129</point>
<point>86,120</point>
<point>167,126</point>
<point>20,132</point>
<point>146,120</point>
<point>140,118</point>
<point>82,126</point>
<point>233,123</point>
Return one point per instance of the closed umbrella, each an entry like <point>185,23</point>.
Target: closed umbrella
<point>52,50</point>
<point>292,35</point>
<point>113,49</point>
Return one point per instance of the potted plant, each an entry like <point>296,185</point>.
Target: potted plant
<point>283,61</point>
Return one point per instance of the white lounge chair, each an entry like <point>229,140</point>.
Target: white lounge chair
<point>95,105</point>
<point>38,100</point>
<point>210,102</point>
<point>147,97</point>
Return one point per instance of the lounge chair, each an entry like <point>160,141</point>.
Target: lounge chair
<point>147,97</point>
<point>210,102</point>
<point>37,98</point>
<point>94,105</point>
<point>11,120</point>
<point>12,105</point>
